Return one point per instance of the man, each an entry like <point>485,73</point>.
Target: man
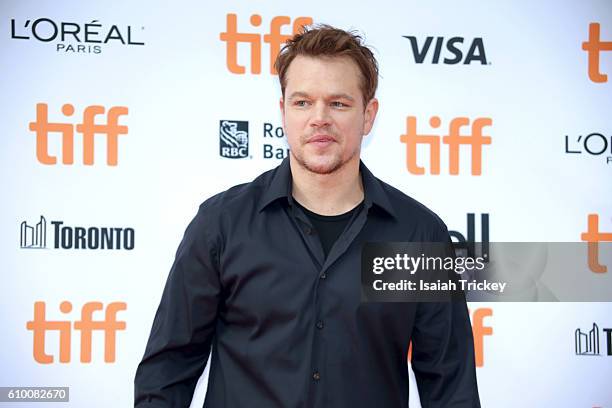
<point>268,273</point>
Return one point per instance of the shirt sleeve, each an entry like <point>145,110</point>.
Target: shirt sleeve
<point>443,352</point>
<point>184,325</point>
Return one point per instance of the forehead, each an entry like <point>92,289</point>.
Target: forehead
<point>323,74</point>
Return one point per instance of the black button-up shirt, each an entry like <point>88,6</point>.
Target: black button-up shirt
<point>286,325</point>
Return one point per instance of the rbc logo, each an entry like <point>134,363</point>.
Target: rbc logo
<point>234,139</point>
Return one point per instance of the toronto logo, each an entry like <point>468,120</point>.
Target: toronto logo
<point>34,236</point>
<point>586,343</point>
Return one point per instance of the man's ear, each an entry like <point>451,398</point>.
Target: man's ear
<point>281,104</point>
<point>370,112</point>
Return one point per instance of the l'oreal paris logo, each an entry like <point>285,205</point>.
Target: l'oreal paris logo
<point>73,37</point>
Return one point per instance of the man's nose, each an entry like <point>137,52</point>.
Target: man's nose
<point>320,115</point>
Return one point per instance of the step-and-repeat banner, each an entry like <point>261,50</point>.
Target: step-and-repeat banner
<point>119,119</point>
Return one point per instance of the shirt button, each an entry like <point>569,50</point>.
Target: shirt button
<point>323,275</point>
<point>320,324</point>
<point>316,376</point>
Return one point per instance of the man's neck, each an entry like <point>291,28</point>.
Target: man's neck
<point>327,194</point>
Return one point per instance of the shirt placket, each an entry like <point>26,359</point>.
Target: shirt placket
<point>316,396</point>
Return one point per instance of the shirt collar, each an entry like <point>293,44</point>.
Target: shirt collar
<point>280,187</point>
<point>374,192</point>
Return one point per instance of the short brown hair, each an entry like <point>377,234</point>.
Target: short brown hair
<point>326,41</point>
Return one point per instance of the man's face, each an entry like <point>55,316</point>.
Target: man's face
<point>323,113</point>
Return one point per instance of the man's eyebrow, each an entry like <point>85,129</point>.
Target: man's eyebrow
<point>300,94</point>
<point>342,96</point>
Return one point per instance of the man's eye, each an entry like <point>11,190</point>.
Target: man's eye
<point>300,103</point>
<point>338,104</point>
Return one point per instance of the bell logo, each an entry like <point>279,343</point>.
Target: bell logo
<point>40,325</point>
<point>594,237</point>
<point>89,128</point>
<point>594,47</point>
<point>470,246</point>
<point>275,38</point>
<point>454,140</point>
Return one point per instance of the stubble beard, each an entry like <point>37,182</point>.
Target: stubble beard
<point>335,164</point>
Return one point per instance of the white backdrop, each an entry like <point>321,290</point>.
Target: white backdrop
<point>167,64</point>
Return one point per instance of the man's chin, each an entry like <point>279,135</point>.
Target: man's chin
<point>321,167</point>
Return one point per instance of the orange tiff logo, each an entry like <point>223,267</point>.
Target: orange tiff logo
<point>454,140</point>
<point>275,38</point>
<point>40,326</point>
<point>594,46</point>
<point>88,129</point>
<point>594,237</point>
<point>479,330</point>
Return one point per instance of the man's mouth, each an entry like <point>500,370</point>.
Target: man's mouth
<point>321,140</point>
